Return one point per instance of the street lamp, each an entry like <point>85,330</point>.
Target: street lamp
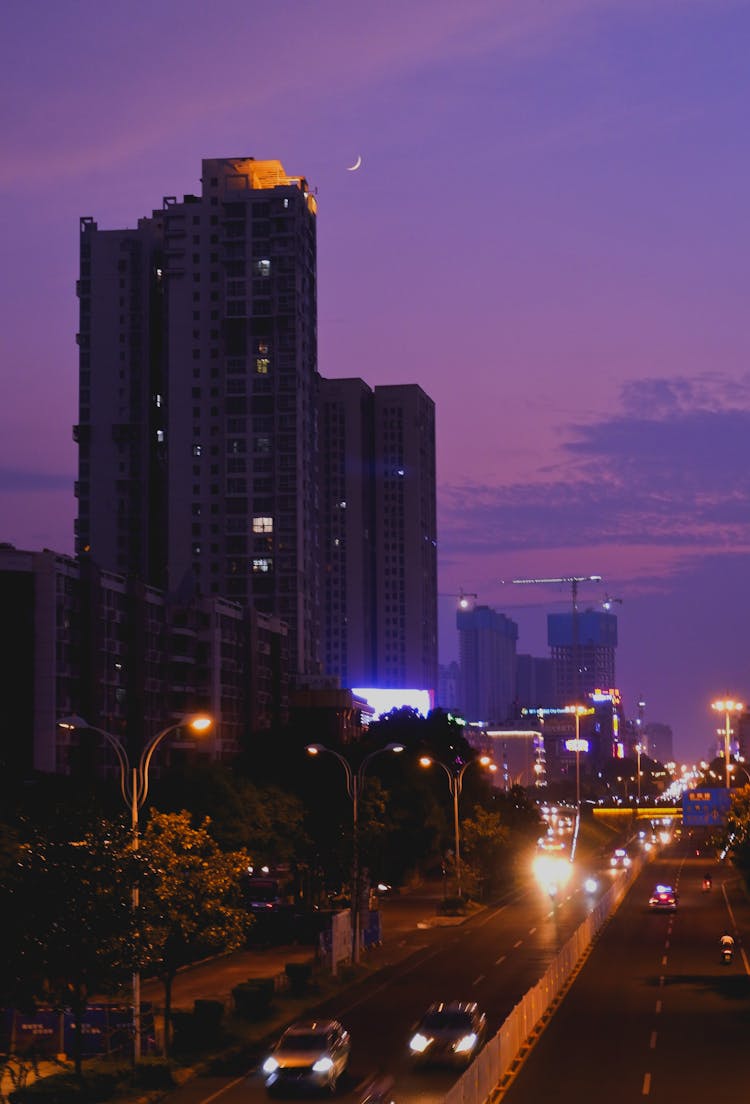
<point>134,790</point>
<point>727,706</point>
<point>354,781</point>
<point>455,782</point>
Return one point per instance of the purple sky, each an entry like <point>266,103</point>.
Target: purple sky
<point>548,232</point>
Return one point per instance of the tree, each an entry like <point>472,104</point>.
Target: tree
<point>67,906</point>
<point>737,832</point>
<point>485,842</point>
<point>190,897</point>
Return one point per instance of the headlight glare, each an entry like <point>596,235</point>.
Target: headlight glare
<point>463,1046</point>
<point>419,1043</point>
<point>323,1065</point>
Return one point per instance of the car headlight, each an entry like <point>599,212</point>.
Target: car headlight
<point>590,885</point>
<point>270,1065</point>
<point>419,1043</point>
<point>323,1065</point>
<point>463,1046</point>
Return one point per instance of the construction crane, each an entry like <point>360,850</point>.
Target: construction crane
<point>574,581</point>
<point>464,597</point>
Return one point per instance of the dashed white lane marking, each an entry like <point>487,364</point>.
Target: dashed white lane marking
<point>658,1007</point>
<point>531,931</point>
<point>652,1043</point>
<point>646,1084</point>
<point>477,979</point>
<point>499,960</point>
<point>517,943</point>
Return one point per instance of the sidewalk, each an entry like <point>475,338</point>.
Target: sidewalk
<point>408,914</point>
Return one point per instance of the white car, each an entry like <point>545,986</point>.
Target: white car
<point>310,1054</point>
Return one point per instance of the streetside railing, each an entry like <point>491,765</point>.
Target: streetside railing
<point>498,1058</point>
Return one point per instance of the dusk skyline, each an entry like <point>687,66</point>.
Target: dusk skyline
<point>547,233</point>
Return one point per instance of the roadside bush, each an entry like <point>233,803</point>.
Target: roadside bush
<point>453,906</point>
<point>64,1088</point>
<point>253,999</point>
<point>300,975</point>
<point>154,1073</point>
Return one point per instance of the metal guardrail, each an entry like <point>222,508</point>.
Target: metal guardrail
<point>499,1059</point>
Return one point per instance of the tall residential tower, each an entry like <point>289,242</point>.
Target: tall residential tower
<point>197,429</point>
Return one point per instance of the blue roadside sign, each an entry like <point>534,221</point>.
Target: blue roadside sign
<point>705,808</point>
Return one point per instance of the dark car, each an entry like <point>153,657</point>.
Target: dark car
<point>311,1054</point>
<point>663,898</point>
<point>449,1033</point>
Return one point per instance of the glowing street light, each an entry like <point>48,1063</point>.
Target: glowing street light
<point>727,706</point>
<point>455,782</point>
<point>354,781</point>
<point>134,790</point>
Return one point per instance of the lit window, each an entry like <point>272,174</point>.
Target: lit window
<point>160,436</point>
<point>262,565</point>
<point>262,268</point>
<point>196,450</point>
<point>262,524</point>
<point>157,400</point>
<point>262,365</point>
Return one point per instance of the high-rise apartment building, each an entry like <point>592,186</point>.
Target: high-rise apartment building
<point>582,646</point>
<point>197,428</point>
<point>406,651</point>
<point>347,500</point>
<point>378,534</point>
<point>487,648</point>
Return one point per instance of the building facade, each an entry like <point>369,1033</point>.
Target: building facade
<point>197,428</point>
<point>582,647</point>
<point>406,644</point>
<point>131,660</point>
<point>487,648</point>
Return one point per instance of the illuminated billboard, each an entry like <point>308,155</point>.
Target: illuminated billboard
<point>383,700</point>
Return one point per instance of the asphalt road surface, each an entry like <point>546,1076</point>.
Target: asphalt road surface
<point>493,958</point>
<point>654,1014</point>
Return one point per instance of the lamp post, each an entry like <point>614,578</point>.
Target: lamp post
<point>134,790</point>
<point>727,706</point>
<point>354,780</point>
<point>455,783</point>
<point>578,745</point>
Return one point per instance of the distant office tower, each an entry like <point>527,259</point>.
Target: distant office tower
<point>583,653</point>
<point>487,646</point>
<point>347,501</point>
<point>534,682</point>
<point>449,687</point>
<point>378,534</point>
<point>197,429</point>
<point>406,653</point>
<point>659,741</point>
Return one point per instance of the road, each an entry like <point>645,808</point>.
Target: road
<point>653,1014</point>
<point>493,958</point>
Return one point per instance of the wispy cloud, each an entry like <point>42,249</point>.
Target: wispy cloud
<point>669,470</point>
<point>15,481</point>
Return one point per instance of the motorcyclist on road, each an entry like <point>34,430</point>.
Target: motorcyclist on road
<point>726,941</point>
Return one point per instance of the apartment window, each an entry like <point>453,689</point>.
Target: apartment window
<point>262,524</point>
<point>262,365</point>
<point>262,565</point>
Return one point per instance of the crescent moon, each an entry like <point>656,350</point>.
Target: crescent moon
<point>355,166</point>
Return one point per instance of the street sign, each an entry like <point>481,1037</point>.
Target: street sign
<point>705,808</point>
